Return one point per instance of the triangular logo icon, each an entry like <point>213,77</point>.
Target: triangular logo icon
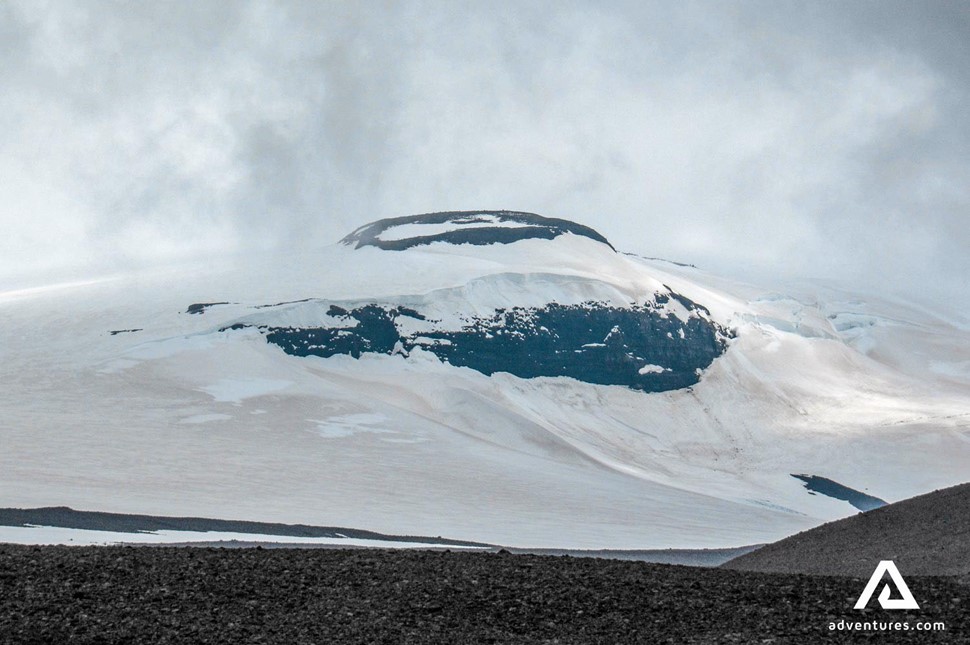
<point>906,600</point>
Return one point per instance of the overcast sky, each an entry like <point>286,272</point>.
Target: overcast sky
<point>815,139</point>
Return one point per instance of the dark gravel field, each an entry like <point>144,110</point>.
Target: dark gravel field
<point>293,596</point>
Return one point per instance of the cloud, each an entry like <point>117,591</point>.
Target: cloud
<point>814,140</point>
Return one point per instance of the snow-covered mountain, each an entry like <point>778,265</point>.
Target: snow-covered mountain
<point>491,376</point>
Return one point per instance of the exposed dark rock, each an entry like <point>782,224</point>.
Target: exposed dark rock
<point>470,228</point>
<point>200,307</point>
<point>114,595</point>
<point>593,342</point>
<point>648,257</point>
<point>643,347</point>
<point>925,535</point>
<point>115,332</point>
<point>279,304</point>
<point>835,490</point>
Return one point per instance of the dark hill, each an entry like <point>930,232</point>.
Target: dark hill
<point>925,535</point>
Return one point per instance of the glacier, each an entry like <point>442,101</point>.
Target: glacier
<point>203,414</point>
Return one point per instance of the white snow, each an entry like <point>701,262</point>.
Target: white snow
<point>870,392</point>
<point>235,390</point>
<point>85,537</point>
<point>348,425</point>
<point>206,418</point>
<point>956,369</point>
<point>405,231</point>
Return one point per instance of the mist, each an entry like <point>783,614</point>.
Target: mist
<point>814,140</point>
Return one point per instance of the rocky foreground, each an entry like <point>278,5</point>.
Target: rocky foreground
<point>191,595</point>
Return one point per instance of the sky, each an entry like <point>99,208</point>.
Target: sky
<point>820,140</point>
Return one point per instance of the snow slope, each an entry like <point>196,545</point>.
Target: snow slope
<point>87,537</point>
<point>187,417</point>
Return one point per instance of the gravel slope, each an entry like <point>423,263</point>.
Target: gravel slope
<point>112,595</point>
<point>925,535</point>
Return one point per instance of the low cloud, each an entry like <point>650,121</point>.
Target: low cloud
<point>809,140</point>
